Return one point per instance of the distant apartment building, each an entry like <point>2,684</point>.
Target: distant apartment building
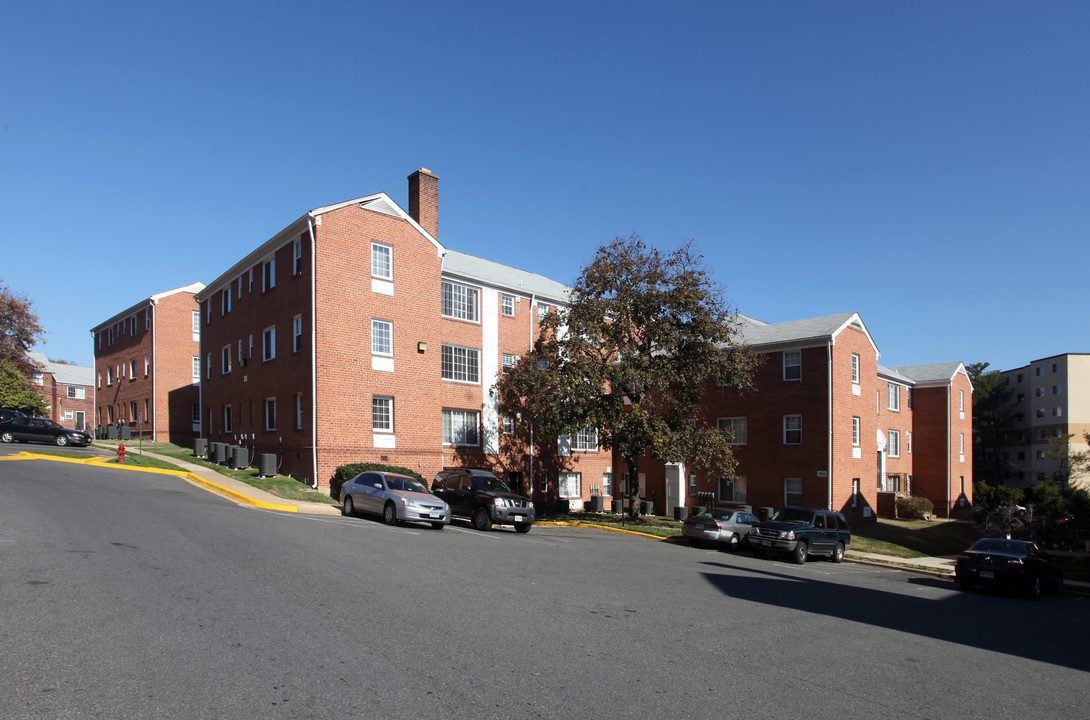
<point>69,390</point>
<point>354,335</point>
<point>825,425</point>
<point>1050,398</point>
<point>146,370</point>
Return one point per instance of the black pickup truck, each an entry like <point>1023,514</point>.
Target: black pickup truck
<point>802,532</point>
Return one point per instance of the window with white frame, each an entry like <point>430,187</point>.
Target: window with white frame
<point>225,365</point>
<point>855,368</point>
<point>382,414</point>
<point>509,360</point>
<point>298,411</point>
<point>461,427</point>
<point>196,368</point>
<point>569,485</point>
<point>270,413</point>
<point>856,422</point>
<point>961,401</point>
<point>607,484</point>
<point>1057,411</point>
<point>792,491</point>
<point>208,367</point>
<point>109,337</point>
<point>961,443</point>
<point>238,293</point>
<point>893,396</point>
<point>196,321</point>
<point>132,326</point>
<point>585,439</point>
<point>250,282</point>
<point>251,346</point>
<point>240,351</point>
<point>732,489</point>
<point>460,363</point>
<point>382,261</point>
<point>508,304</point>
<point>792,429</point>
<point>737,427</point>
<point>225,301</point>
<point>77,393</point>
<point>894,449</point>
<point>147,364</point>
<point>460,301</point>
<point>268,274</point>
<point>227,418</point>
<point>297,257</point>
<point>542,311</point>
<point>508,425</point>
<point>132,368</point>
<point>382,334</point>
<point>132,411</point>
<point>855,492</point>
<point>792,365</point>
<point>268,343</point>
<point>908,441</point>
<point>297,333</point>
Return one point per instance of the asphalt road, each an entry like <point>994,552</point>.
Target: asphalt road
<point>137,595</point>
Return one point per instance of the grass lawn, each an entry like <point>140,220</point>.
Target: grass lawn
<point>279,485</point>
<point>912,538</point>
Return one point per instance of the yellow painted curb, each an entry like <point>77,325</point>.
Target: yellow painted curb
<point>577,523</point>
<point>227,492</point>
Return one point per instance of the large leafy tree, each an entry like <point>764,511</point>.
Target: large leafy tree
<point>16,393</point>
<point>19,330</point>
<point>646,336</point>
<point>993,419</point>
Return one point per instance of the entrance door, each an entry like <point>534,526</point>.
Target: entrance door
<point>675,493</point>
<point>81,420</point>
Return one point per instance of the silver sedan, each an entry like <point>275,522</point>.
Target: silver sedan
<point>729,528</point>
<point>396,498</point>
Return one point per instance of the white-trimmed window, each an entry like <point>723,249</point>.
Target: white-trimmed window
<point>268,343</point>
<point>509,360</point>
<point>893,396</point>
<point>197,375</point>
<point>961,401</point>
<point>894,449</point>
<point>585,439</point>
<point>132,368</point>
<point>298,411</point>
<point>208,369</point>
<point>270,413</point>
<point>268,274</point>
<point>1057,411</point>
<point>855,368</point>
<point>382,334</point>
<point>77,393</point>
<point>132,325</point>
<point>297,333</point>
<point>792,365</point>
<point>461,301</point>
<point>251,346</point>
<point>196,321</point>
<point>225,362</point>
<point>460,363</point>
<point>250,282</point>
<point>792,491</point>
<point>239,293</point>
<point>961,443</point>
<point>908,441</point>
<point>568,485</point>
<point>732,490</point>
<point>856,422</point>
<point>382,265</point>
<point>297,257</point>
<point>109,337</point>
<point>461,427</point>
<point>132,412</point>
<point>542,311</point>
<point>147,364</point>
<point>196,368</point>
<point>792,429</point>
<point>508,425</point>
<point>227,418</point>
<point>855,492</point>
<point>507,302</point>
<point>737,427</point>
<point>382,414</point>
<point>225,301</point>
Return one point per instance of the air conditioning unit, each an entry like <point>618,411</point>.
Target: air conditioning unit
<point>240,458</point>
<point>266,465</point>
<point>200,447</point>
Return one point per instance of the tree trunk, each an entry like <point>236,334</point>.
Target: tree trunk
<point>633,488</point>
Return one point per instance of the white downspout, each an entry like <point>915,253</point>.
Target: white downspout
<point>829,449</point>
<point>949,448</point>
<point>530,347</point>
<point>154,375</point>
<point>313,352</point>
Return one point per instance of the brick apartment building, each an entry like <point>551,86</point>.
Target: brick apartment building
<point>354,335</point>
<point>826,426</point>
<point>147,367</point>
<point>69,390</point>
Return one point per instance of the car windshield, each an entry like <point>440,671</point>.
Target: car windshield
<point>794,515</point>
<point>490,482</point>
<point>404,484</point>
<point>719,514</point>
<point>1007,547</point>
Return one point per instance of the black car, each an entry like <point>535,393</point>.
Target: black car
<point>6,415</point>
<point>32,429</point>
<point>1017,564</point>
<point>483,498</point>
<point>802,532</point>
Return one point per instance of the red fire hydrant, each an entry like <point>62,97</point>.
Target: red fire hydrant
<point>121,452</point>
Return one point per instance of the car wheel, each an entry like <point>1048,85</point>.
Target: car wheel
<point>389,514</point>
<point>7,437</point>
<point>348,508</point>
<point>966,585</point>
<point>1034,589</point>
<point>757,552</point>
<point>799,555</point>
<point>732,544</point>
<point>523,528</point>
<point>481,520</point>
<point>438,526</point>
<point>1058,586</point>
<point>838,553</point>
<point>61,440</point>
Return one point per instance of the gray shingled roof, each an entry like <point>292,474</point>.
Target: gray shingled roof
<point>756,332</point>
<point>933,373</point>
<point>65,374</point>
<point>893,374</point>
<point>502,276</point>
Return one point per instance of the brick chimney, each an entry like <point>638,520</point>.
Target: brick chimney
<point>424,200</point>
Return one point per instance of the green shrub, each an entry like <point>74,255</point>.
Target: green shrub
<point>914,508</point>
<point>344,473</point>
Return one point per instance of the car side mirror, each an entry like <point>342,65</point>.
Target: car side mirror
<point>378,486</point>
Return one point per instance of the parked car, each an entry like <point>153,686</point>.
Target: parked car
<point>6,415</point>
<point>802,532</point>
<point>722,527</point>
<point>1018,564</point>
<point>483,498</point>
<point>32,429</point>
<point>397,498</point>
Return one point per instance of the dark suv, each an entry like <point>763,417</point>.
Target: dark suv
<point>801,532</point>
<point>483,498</point>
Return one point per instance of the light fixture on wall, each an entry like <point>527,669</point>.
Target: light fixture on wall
<point>421,346</point>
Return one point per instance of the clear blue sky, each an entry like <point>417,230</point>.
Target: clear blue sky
<point>926,164</point>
